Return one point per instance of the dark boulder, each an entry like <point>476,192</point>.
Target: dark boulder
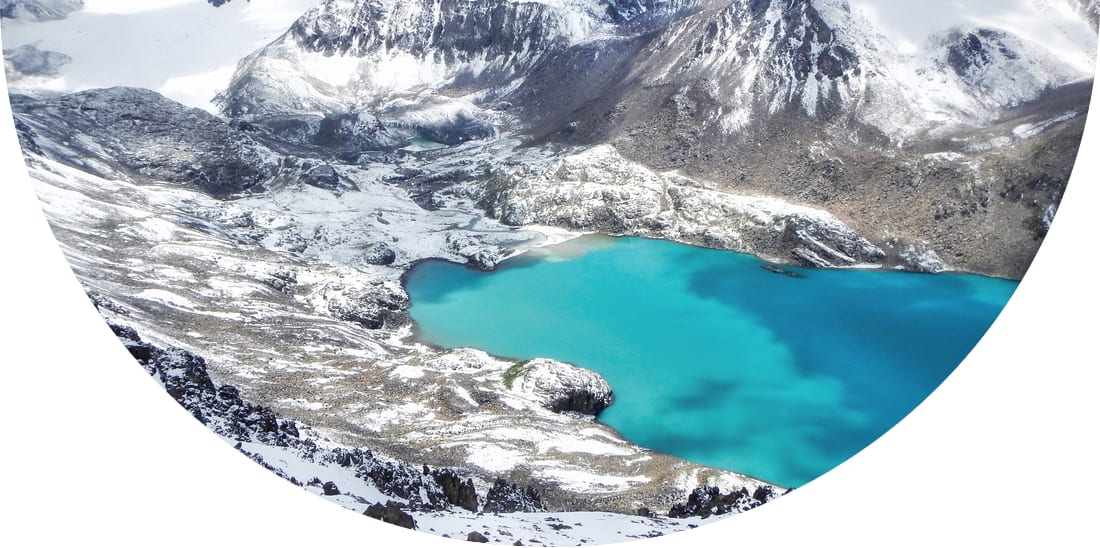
<point>378,253</point>
<point>324,176</point>
<point>392,513</point>
<point>710,501</point>
<point>330,489</point>
<point>504,497</point>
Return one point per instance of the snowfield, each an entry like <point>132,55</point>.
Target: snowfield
<point>183,49</point>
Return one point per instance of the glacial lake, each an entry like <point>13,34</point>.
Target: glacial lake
<point>713,358</point>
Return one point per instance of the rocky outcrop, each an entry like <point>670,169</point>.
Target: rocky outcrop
<point>459,491</point>
<point>504,497</point>
<point>819,241</point>
<point>710,501</point>
<point>221,409</point>
<point>600,190</point>
<point>324,176</point>
<point>378,253</point>
<point>560,387</point>
<point>370,304</point>
<point>479,255</point>
<point>918,257</point>
<point>28,60</point>
<point>392,513</point>
<point>140,134</point>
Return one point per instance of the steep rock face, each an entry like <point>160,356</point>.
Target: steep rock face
<point>759,57</point>
<point>998,68</point>
<point>444,70</point>
<point>347,53</point>
<point>732,71</point>
<point>139,133</point>
<point>639,10</point>
<point>448,31</point>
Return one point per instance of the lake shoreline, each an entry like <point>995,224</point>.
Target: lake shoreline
<point>806,275</point>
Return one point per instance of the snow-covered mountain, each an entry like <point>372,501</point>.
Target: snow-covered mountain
<point>750,96</point>
<point>749,59</point>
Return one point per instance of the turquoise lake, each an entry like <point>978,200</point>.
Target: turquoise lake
<point>713,358</point>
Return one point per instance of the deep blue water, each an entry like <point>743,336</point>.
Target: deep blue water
<point>713,358</point>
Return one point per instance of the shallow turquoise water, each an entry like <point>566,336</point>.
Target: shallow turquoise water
<point>713,358</point>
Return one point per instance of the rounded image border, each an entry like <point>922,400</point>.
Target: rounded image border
<point>94,451</point>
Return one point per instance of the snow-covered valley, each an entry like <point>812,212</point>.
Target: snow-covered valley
<point>264,232</point>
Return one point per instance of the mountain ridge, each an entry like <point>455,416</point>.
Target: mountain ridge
<point>743,95</point>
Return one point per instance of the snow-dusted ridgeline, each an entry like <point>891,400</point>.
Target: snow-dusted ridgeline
<point>743,95</point>
<point>754,59</point>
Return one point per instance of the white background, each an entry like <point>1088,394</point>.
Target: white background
<point>94,452</point>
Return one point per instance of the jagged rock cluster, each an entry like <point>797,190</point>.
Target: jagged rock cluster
<point>221,409</point>
<point>184,376</point>
<point>706,502</point>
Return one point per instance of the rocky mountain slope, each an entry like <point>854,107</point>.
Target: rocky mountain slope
<point>800,100</point>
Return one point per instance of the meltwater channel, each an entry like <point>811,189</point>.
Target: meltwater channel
<point>712,358</point>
